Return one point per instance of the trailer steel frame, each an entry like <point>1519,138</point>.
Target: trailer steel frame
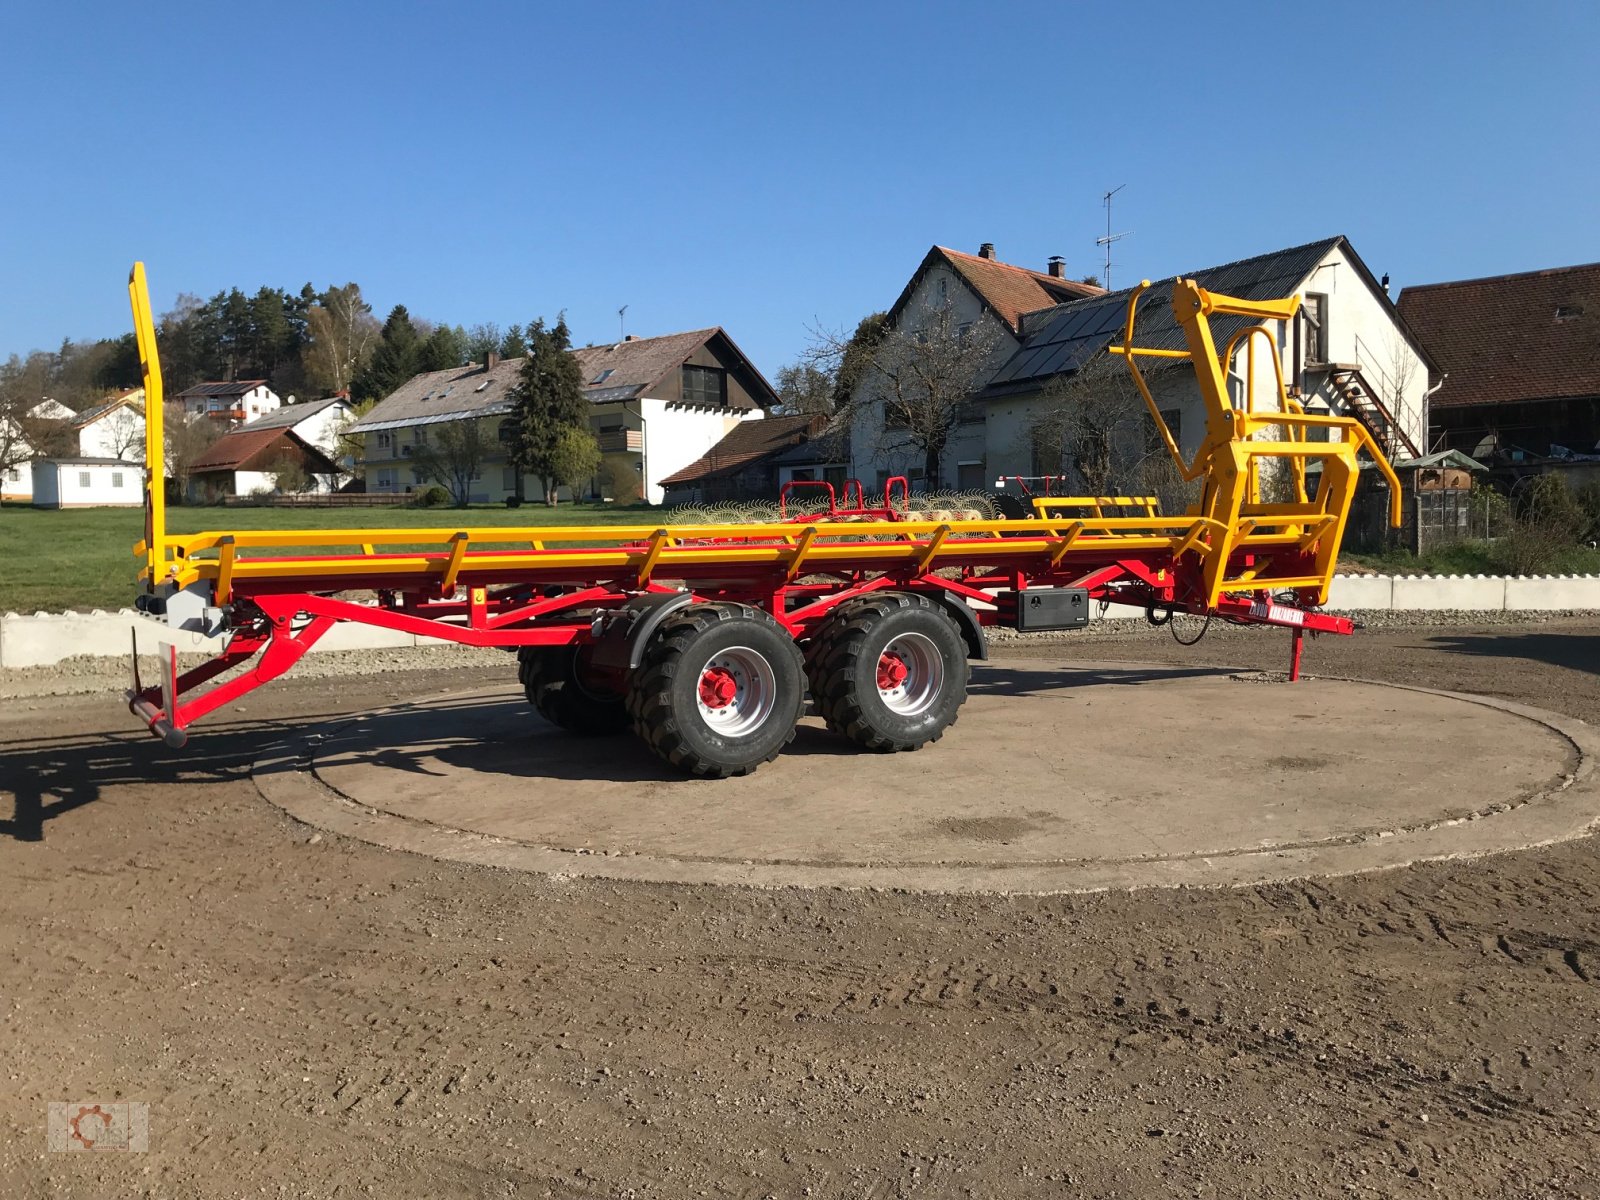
<point>271,595</point>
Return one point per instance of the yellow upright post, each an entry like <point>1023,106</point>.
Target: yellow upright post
<point>155,453</point>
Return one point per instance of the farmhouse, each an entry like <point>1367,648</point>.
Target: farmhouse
<point>232,402</point>
<point>1348,352</point>
<point>246,461</point>
<point>657,405</point>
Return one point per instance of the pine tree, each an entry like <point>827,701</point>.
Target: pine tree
<point>395,360</point>
<point>551,410</point>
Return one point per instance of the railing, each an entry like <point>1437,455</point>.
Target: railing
<point>612,440</point>
<point>1390,394</point>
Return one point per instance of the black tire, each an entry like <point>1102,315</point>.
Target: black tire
<point>708,660</point>
<point>920,652</point>
<point>552,679</point>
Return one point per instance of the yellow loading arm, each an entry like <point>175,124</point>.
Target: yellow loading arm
<point>1239,441</point>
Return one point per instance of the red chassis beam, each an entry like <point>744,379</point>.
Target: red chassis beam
<point>282,626</point>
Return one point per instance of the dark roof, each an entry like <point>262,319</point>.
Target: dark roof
<point>1509,338</point>
<point>749,442</point>
<point>287,415</point>
<point>1064,338</point>
<point>637,366</point>
<point>250,449</point>
<point>237,387</point>
<point>1007,291</point>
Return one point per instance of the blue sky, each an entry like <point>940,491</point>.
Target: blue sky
<point>767,167</point>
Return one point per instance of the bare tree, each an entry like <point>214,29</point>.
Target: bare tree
<point>916,382</point>
<point>1094,423</point>
<point>805,387</point>
<point>187,438</point>
<point>341,333</point>
<point>122,431</point>
<point>24,433</point>
<point>453,456</point>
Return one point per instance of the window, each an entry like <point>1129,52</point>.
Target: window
<point>83,479</point>
<point>969,476</point>
<point>963,330</point>
<point>14,475</point>
<point>508,479</point>
<point>386,479</point>
<point>1315,311</point>
<point>603,376</point>
<point>1568,312</point>
<point>706,386</point>
<point>941,290</point>
<point>116,479</point>
<point>385,440</point>
<point>419,435</point>
<point>416,475</point>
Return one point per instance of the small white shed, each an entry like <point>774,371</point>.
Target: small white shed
<point>87,483</point>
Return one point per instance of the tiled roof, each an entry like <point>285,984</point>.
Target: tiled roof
<point>636,365</point>
<point>250,449</point>
<point>747,443</point>
<point>237,387</point>
<point>287,415</point>
<point>1066,337</point>
<point>1010,290</point>
<point>1534,336</point>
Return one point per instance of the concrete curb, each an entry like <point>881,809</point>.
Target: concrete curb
<point>41,639</point>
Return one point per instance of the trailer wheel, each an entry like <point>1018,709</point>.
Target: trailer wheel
<point>719,690</point>
<point>890,672</point>
<point>552,678</point>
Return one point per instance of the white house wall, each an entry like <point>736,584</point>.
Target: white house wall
<point>675,435</point>
<point>875,453</point>
<point>1362,329</point>
<point>118,434</point>
<point>87,485</point>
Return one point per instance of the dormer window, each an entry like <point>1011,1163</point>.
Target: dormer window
<point>1568,312</point>
<point>705,386</point>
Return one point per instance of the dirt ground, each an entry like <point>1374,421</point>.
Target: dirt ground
<point>308,1016</point>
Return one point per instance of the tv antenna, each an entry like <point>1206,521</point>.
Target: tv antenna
<point>622,328</point>
<point>1110,237</point>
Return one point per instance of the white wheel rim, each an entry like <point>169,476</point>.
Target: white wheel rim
<point>910,674</point>
<point>736,692</point>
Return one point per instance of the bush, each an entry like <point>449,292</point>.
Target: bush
<point>1544,532</point>
<point>431,496</point>
<point>513,501</point>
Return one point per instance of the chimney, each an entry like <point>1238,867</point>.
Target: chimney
<point>986,251</point>
<point>491,360</point>
<point>1057,267</point>
<point>628,337</point>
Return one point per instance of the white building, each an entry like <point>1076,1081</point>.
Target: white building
<point>114,429</point>
<point>16,476</point>
<point>234,403</point>
<point>87,483</point>
<point>1348,353</point>
<point>318,423</point>
<point>979,296</point>
<point>657,405</point>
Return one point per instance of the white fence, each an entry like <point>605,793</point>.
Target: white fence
<point>44,638</point>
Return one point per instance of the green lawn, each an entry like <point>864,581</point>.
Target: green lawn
<point>78,559</point>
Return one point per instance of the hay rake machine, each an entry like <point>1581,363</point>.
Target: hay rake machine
<point>704,637</point>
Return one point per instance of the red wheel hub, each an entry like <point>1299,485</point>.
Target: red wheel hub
<point>892,672</point>
<point>718,687</point>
